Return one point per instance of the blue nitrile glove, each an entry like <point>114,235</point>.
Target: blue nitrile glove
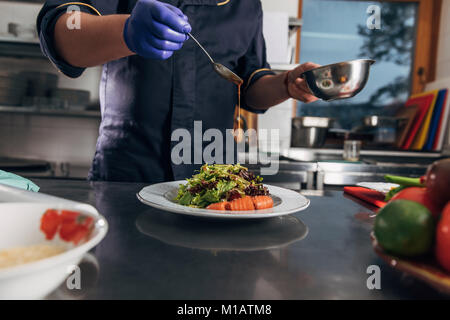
<point>13,180</point>
<point>156,29</point>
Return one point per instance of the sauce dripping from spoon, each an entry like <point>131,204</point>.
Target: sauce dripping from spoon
<point>229,75</point>
<point>238,134</point>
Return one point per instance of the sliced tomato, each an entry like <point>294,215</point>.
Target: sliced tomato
<point>85,221</point>
<point>68,216</point>
<point>80,233</point>
<point>74,226</point>
<point>68,231</point>
<point>71,225</point>
<point>50,222</point>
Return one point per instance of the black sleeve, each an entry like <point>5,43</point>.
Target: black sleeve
<point>46,21</point>
<point>254,64</point>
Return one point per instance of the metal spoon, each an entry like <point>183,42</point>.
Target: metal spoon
<point>223,71</point>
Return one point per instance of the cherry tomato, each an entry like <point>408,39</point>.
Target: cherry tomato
<point>419,195</point>
<point>74,227</point>
<point>71,225</point>
<point>67,231</point>
<point>69,216</point>
<point>443,239</point>
<point>50,222</point>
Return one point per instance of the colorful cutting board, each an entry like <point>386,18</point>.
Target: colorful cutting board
<point>408,115</point>
<point>424,102</point>
<point>443,122</point>
<point>421,137</point>
<point>437,113</point>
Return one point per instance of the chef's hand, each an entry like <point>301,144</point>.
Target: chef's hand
<point>156,29</point>
<point>297,87</point>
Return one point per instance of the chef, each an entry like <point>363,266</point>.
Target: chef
<point>156,80</point>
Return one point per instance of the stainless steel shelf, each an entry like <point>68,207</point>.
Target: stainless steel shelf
<point>12,39</point>
<point>317,173</point>
<point>19,49</point>
<point>305,154</point>
<point>51,112</point>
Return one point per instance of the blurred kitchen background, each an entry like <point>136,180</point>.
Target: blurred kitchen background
<point>49,123</point>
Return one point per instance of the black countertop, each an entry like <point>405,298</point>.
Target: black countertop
<point>150,254</point>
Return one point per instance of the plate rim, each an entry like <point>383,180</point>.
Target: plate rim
<point>222,214</point>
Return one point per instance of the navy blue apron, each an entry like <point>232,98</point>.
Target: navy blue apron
<point>143,101</point>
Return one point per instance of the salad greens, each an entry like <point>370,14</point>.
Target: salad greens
<point>219,182</point>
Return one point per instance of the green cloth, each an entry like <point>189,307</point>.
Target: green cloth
<point>13,180</point>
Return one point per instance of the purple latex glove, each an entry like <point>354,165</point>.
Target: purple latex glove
<point>156,29</point>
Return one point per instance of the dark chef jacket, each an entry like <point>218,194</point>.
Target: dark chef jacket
<point>143,101</point>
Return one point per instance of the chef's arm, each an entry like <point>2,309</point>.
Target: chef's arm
<point>271,90</point>
<point>154,30</point>
<point>99,40</point>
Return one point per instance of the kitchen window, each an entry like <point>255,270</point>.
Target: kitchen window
<point>337,30</point>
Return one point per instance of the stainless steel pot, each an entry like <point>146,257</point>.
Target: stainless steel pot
<point>340,80</point>
<point>380,121</point>
<point>385,129</point>
<point>309,132</point>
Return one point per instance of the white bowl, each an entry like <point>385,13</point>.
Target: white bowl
<point>20,226</point>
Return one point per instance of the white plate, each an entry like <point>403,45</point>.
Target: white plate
<point>161,196</point>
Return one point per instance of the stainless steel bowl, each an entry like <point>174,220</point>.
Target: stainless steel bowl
<point>309,132</point>
<point>340,80</point>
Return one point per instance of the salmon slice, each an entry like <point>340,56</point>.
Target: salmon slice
<point>242,204</point>
<point>218,206</point>
<point>262,202</point>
